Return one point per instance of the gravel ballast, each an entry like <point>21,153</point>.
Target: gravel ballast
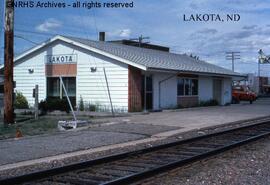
<point>247,165</point>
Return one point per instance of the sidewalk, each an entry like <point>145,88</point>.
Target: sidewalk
<point>125,131</point>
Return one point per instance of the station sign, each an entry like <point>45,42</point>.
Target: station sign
<point>61,59</point>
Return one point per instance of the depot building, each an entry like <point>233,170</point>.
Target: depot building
<point>130,78</point>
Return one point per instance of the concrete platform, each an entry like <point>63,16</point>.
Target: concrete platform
<point>125,131</point>
<point>203,116</point>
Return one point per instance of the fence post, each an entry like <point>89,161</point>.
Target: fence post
<point>36,102</point>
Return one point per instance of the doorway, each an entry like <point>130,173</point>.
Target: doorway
<point>217,89</point>
<point>147,92</point>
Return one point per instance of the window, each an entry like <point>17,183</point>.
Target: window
<point>180,87</point>
<point>54,88</point>
<point>187,87</point>
<point>70,85</point>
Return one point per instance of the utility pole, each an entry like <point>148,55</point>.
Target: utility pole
<point>8,64</point>
<point>260,60</point>
<point>263,59</point>
<point>233,55</point>
<point>140,39</point>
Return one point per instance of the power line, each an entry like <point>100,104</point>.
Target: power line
<point>233,55</point>
<point>33,32</point>
<point>95,23</point>
<point>26,39</point>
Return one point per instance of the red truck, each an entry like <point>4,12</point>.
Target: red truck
<point>243,93</point>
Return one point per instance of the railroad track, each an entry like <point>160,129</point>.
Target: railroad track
<point>131,167</point>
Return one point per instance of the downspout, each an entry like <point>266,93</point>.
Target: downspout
<point>159,88</point>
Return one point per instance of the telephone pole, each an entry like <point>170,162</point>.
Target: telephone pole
<point>140,40</point>
<point>8,64</point>
<point>234,55</point>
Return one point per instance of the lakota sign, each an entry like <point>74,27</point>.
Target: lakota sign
<point>61,59</point>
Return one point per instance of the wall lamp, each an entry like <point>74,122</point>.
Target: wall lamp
<point>93,69</point>
<point>31,71</point>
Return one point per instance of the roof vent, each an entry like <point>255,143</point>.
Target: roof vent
<point>102,36</point>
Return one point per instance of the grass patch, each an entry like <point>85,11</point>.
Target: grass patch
<point>29,128</point>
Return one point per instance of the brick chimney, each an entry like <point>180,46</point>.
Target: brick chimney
<point>102,36</point>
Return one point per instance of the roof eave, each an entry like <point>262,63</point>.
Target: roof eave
<point>70,41</point>
<point>194,72</point>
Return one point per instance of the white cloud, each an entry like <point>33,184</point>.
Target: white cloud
<point>49,25</point>
<point>125,33</point>
<point>109,22</point>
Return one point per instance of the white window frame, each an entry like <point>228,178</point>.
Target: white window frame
<point>184,78</point>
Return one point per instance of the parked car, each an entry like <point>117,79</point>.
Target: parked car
<point>243,93</point>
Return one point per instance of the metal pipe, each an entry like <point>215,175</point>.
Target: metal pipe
<point>71,108</point>
<point>108,91</point>
<point>36,102</point>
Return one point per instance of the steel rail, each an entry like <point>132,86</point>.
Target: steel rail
<point>147,173</point>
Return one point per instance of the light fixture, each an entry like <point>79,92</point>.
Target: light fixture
<point>93,69</point>
<point>31,71</point>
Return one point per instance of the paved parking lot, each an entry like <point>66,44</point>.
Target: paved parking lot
<point>126,129</point>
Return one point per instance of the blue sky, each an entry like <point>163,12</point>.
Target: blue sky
<point>162,21</point>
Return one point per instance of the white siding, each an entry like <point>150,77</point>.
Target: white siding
<point>90,86</point>
<point>226,91</point>
<point>168,91</point>
<point>25,82</point>
<point>205,88</point>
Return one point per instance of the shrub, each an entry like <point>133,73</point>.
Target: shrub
<point>43,106</point>
<point>179,106</point>
<point>81,104</point>
<point>211,102</point>
<point>51,104</point>
<point>20,101</point>
<point>92,107</point>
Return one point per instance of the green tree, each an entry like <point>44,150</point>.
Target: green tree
<point>20,101</point>
<point>81,104</point>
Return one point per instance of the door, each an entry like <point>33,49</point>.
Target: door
<point>147,92</point>
<point>217,89</point>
